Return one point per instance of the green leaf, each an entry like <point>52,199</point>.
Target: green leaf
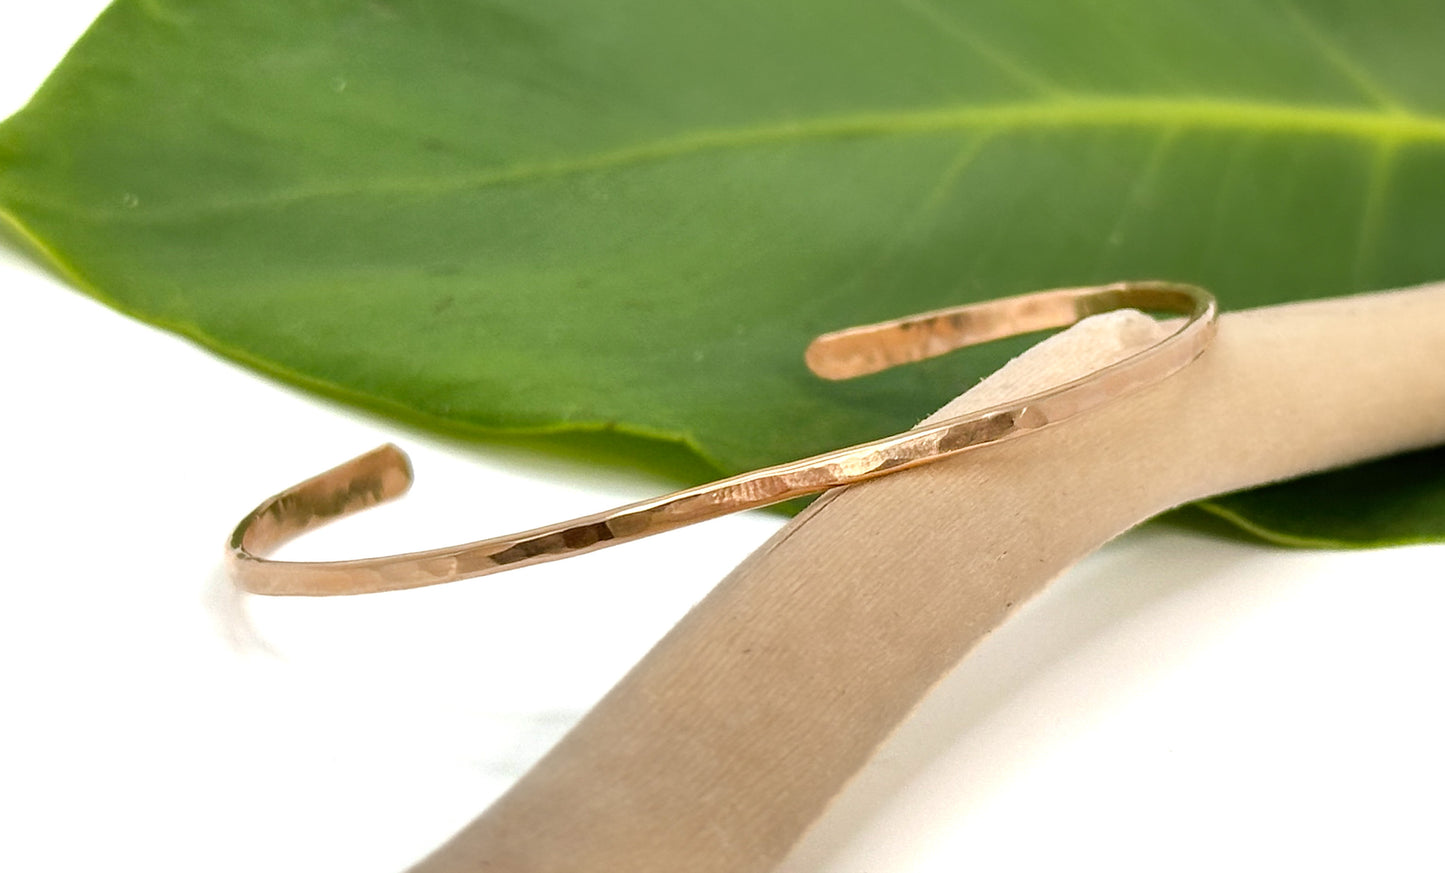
<point>1396,501</point>
<point>631,216</point>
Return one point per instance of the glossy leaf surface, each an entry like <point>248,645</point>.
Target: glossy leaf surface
<point>631,216</point>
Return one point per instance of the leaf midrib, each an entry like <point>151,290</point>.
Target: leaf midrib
<point>1382,127</point>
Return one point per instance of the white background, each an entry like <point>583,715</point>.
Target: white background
<point>1176,702</point>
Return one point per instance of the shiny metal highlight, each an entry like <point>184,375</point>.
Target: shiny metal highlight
<point>384,473</point>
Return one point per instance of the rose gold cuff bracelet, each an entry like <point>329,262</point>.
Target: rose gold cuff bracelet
<point>384,473</point>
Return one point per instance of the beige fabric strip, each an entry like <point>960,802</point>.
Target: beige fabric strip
<point>727,741</point>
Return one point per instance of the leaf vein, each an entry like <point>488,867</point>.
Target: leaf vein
<point>1341,60</point>
<point>1136,197</point>
<point>1376,191</point>
<point>909,225</point>
<point>1368,125</point>
<point>950,26</point>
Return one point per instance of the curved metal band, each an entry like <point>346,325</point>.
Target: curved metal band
<point>384,473</point>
